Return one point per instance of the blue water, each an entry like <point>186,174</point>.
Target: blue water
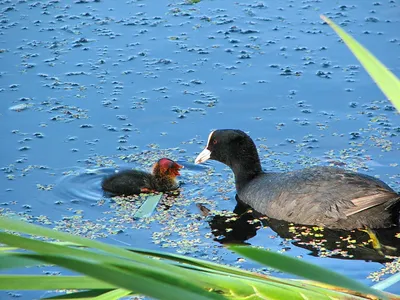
<point>109,85</point>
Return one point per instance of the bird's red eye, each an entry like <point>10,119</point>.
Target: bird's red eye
<point>215,142</point>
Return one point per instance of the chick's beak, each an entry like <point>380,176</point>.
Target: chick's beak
<point>176,168</point>
<point>203,156</point>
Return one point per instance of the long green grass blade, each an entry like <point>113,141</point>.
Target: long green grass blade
<point>218,273</point>
<point>245,287</point>
<point>178,272</point>
<point>7,248</point>
<point>112,295</point>
<point>265,292</point>
<point>215,268</point>
<point>42,282</point>
<point>194,264</point>
<point>385,79</point>
<point>180,275</point>
<point>78,295</point>
<point>23,227</point>
<point>45,247</point>
<point>190,261</point>
<point>160,271</point>
<point>303,269</point>
<point>177,276</point>
<point>19,226</point>
<point>148,207</point>
<point>132,281</point>
<point>8,261</point>
<point>210,267</point>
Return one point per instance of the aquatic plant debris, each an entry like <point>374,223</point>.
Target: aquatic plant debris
<point>148,206</point>
<point>108,86</point>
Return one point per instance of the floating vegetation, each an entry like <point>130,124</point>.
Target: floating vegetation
<point>89,88</point>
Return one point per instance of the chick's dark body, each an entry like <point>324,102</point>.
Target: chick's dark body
<point>133,182</point>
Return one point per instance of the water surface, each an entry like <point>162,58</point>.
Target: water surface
<point>108,85</point>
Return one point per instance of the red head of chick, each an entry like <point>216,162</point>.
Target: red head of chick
<point>132,182</point>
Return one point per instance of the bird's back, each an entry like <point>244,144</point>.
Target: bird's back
<point>128,182</point>
<point>320,196</point>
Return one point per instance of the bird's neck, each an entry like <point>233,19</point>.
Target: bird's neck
<point>165,179</point>
<point>245,170</point>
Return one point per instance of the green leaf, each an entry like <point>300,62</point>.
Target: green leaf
<point>147,267</point>
<point>235,285</point>
<point>78,295</point>
<point>177,276</point>
<point>8,261</point>
<point>194,262</point>
<point>23,227</point>
<point>46,247</point>
<point>211,267</point>
<point>148,207</point>
<point>42,282</point>
<point>386,80</point>
<point>263,291</point>
<point>2,248</point>
<point>132,281</point>
<point>112,295</point>
<point>168,277</point>
<point>303,269</point>
<point>118,253</point>
<point>219,273</point>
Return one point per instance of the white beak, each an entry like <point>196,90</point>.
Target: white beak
<point>203,156</point>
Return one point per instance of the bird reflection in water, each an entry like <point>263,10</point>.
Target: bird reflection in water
<point>378,245</point>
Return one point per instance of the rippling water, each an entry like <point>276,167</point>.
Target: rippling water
<point>88,88</point>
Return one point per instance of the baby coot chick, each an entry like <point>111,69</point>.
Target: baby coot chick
<point>133,182</point>
<point>323,196</point>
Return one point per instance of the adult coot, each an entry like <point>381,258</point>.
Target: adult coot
<point>131,182</point>
<point>324,196</point>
